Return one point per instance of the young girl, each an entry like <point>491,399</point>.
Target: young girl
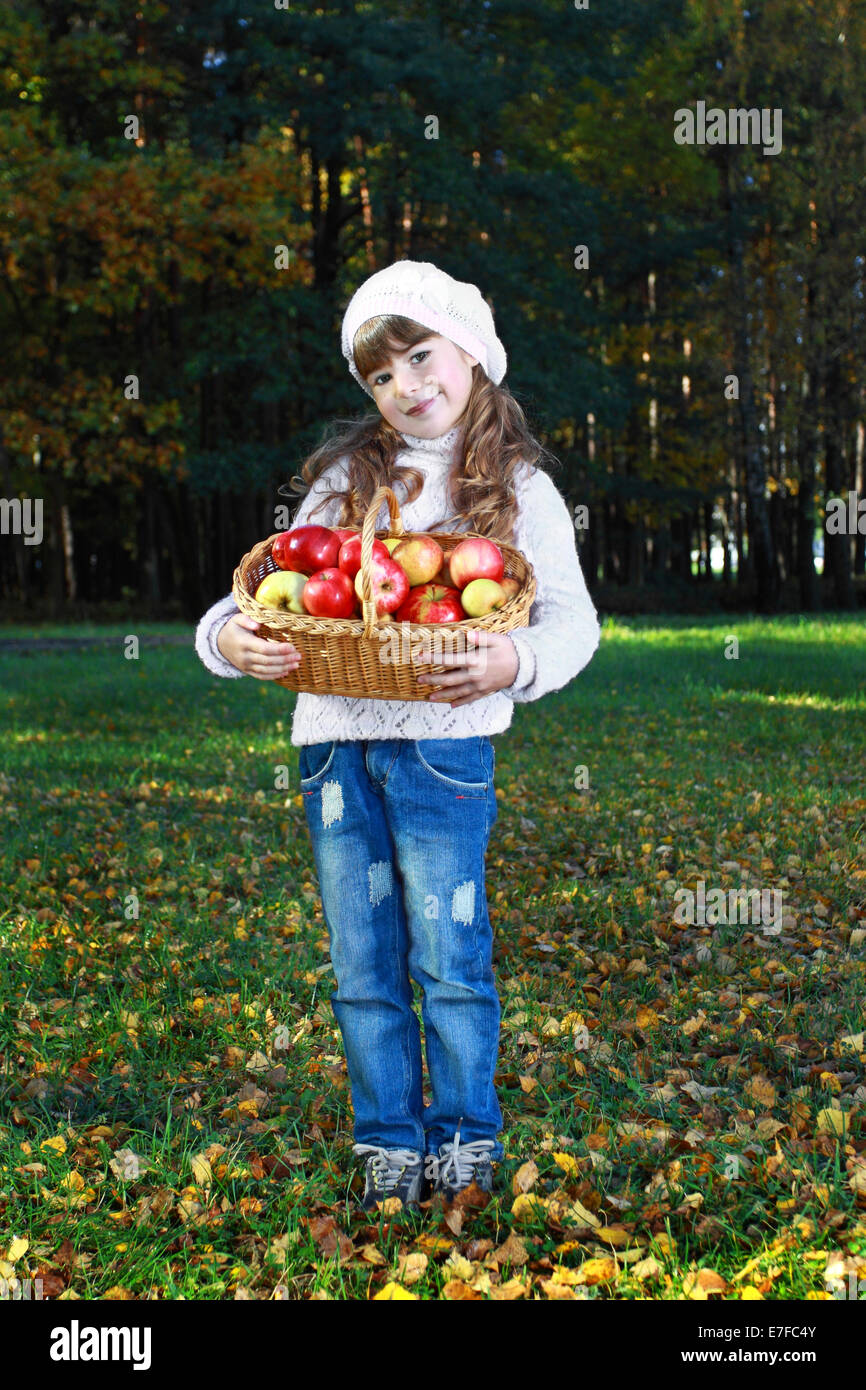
<point>399,794</point>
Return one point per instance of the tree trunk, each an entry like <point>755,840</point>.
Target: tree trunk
<point>763,560</point>
<point>837,547</point>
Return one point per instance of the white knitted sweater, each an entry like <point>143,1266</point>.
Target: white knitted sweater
<point>561,639</point>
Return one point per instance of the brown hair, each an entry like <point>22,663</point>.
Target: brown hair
<point>496,441</point>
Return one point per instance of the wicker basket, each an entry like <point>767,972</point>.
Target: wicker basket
<point>372,657</point>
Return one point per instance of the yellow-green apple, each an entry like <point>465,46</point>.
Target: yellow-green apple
<point>307,549</point>
<point>511,586</point>
<point>431,603</point>
<point>481,596</point>
<point>349,559</point>
<point>391,543</point>
<point>329,594</point>
<point>421,558</point>
<point>475,558</point>
<point>282,589</point>
<point>389,584</point>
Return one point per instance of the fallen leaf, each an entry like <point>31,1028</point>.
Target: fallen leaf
<point>525,1177</point>
<point>127,1165</point>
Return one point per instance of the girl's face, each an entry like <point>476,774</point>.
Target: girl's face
<point>436,375</point>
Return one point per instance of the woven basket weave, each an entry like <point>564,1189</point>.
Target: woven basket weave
<point>371,656</point>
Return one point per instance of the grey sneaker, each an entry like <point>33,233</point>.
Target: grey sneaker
<point>460,1164</point>
<point>392,1173</point>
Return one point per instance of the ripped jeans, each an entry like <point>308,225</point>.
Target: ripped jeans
<point>399,829</point>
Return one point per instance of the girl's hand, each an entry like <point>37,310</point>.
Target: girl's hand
<point>491,666</point>
<point>261,657</point>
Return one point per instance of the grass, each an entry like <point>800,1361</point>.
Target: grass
<point>682,1109</point>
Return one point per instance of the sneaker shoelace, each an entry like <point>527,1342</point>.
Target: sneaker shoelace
<point>460,1159</point>
<point>388,1164</point>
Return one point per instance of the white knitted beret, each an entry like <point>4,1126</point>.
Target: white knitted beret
<point>420,291</point>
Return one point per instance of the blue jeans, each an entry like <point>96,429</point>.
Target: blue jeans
<point>399,829</point>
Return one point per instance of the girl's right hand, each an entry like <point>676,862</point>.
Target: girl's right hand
<point>263,658</point>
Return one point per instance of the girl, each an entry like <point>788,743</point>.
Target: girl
<point>399,794</point>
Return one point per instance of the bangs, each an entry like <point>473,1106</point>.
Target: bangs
<point>386,334</point>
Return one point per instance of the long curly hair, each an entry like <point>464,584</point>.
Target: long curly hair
<point>496,441</point>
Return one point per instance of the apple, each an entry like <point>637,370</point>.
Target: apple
<point>511,586</point>
<point>481,596</point>
<point>475,558</point>
<point>421,558</point>
<point>328,594</point>
<point>343,534</point>
<point>444,575</point>
<point>391,542</point>
<point>349,559</point>
<point>282,589</point>
<point>389,584</point>
<point>307,549</point>
<point>431,603</point>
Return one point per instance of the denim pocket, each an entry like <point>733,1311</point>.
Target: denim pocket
<point>314,759</point>
<point>458,762</point>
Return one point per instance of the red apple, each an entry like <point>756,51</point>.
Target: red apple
<point>344,533</point>
<point>389,583</point>
<point>475,558</point>
<point>306,548</point>
<point>421,558</point>
<point>329,594</point>
<point>431,603</point>
<point>349,559</point>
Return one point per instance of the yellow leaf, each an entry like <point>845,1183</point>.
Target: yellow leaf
<point>57,1144</point>
<point>599,1271</point>
<point>750,1293</point>
<point>527,1084</point>
<point>833,1121</point>
<point>527,1207</point>
<point>762,1091</point>
<point>616,1236</point>
<point>568,1164</point>
<point>563,1275</point>
<point>372,1255</point>
<point>395,1291</point>
<point>19,1246</point>
<point>646,1017</point>
<point>201,1170</point>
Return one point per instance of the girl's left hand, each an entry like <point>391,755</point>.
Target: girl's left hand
<point>492,665</point>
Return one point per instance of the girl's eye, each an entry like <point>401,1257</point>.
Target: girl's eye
<point>422,353</point>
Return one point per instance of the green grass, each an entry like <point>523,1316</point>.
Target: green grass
<point>160,926</point>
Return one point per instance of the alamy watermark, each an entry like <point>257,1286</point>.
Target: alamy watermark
<point>22,518</point>
<point>737,126</point>
<point>400,646</point>
<point>739,906</point>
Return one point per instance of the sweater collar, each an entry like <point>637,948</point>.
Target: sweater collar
<point>440,448</point>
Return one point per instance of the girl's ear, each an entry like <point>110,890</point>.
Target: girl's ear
<point>468,358</point>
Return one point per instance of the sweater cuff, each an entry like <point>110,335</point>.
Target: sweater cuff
<point>526,669</point>
<point>209,628</point>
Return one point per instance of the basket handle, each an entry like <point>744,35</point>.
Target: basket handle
<point>368,533</point>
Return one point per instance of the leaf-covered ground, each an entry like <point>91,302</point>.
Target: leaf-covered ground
<point>685,1103</point>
